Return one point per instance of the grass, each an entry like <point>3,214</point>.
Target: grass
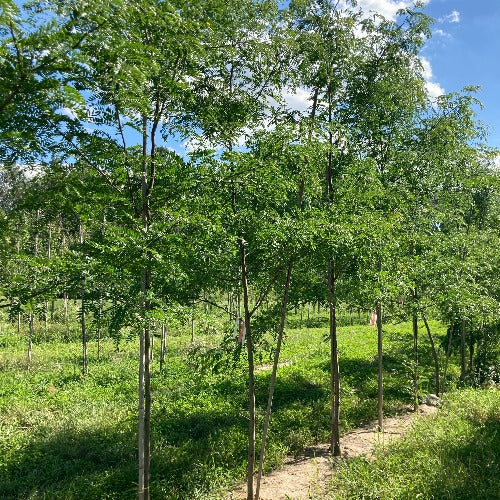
<point>65,435</point>
<point>454,455</point>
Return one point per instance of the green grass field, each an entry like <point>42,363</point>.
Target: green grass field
<point>65,435</point>
<point>453,455</point>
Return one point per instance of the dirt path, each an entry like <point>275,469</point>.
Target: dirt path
<point>308,474</point>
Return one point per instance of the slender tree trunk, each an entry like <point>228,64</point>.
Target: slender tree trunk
<point>49,244</point>
<point>415,360</point>
<point>85,366</point>
<point>251,373</point>
<point>448,354</point>
<point>144,424</point>
<point>99,312</point>
<point>30,337</point>
<point>272,383</point>
<point>334,363</point>
<point>163,345</point>
<point>378,309</point>
<point>434,354</point>
<point>18,323</point>
<point>463,367</point>
<point>192,324</point>
<point>52,310</point>
<point>471,353</point>
<point>66,315</point>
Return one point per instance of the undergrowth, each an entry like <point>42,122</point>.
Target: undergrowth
<point>453,455</point>
<point>65,435</point>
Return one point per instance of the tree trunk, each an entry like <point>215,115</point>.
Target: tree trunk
<point>378,309</point>
<point>334,363</point>
<point>251,373</point>
<point>85,366</point>
<point>99,312</point>
<point>163,345</point>
<point>30,337</point>
<point>144,424</point>
<point>448,354</point>
<point>415,360</point>
<point>66,315</point>
<point>471,353</point>
<point>192,324</point>
<point>463,367</point>
<point>272,383</point>
<point>434,354</point>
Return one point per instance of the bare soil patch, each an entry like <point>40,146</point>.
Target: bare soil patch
<point>308,474</point>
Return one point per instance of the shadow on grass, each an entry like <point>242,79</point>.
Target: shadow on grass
<point>191,449</point>
<point>52,466</point>
<point>471,469</point>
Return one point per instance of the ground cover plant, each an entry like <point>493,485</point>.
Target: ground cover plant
<point>453,455</point>
<point>66,435</point>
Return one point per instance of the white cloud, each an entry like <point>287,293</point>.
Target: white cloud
<point>71,114</point>
<point>387,8</point>
<point>426,66</point>
<point>496,162</point>
<point>433,88</point>
<point>298,100</point>
<point>454,17</point>
<point>442,33</point>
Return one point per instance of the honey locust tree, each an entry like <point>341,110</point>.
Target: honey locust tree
<point>123,88</point>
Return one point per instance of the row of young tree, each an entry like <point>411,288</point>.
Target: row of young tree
<point>151,159</point>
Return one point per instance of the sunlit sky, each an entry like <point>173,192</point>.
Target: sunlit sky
<point>464,50</point>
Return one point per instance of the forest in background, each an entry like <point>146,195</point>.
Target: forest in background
<point>152,165</point>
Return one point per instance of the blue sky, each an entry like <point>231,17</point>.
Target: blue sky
<point>465,50</point>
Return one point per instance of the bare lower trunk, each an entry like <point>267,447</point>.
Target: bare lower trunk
<point>378,308</point>
<point>334,364</point>
<point>19,323</point>
<point>85,366</point>
<point>192,324</point>
<point>434,355</point>
<point>415,361</point>
<point>99,331</point>
<point>144,399</point>
<point>463,368</point>
<point>66,316</point>
<point>163,345</point>
<point>30,337</point>
<point>142,364</point>
<point>448,354</point>
<point>251,373</point>
<point>272,383</point>
<point>471,353</point>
